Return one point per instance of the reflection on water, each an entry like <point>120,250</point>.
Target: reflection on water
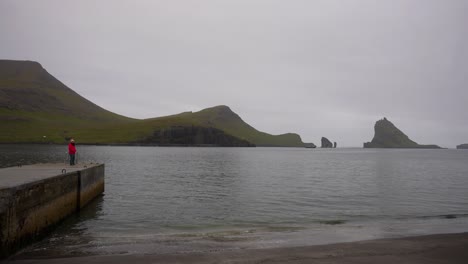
<point>160,200</point>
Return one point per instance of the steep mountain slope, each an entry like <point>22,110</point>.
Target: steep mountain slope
<point>27,87</point>
<point>36,107</point>
<point>387,135</point>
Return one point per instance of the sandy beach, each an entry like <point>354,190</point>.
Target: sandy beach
<point>442,248</point>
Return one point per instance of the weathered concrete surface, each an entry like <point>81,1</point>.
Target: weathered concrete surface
<point>91,184</point>
<point>35,198</point>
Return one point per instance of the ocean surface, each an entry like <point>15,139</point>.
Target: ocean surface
<point>182,199</point>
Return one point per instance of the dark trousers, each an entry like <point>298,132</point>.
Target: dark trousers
<point>72,159</point>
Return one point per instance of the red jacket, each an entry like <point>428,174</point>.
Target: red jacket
<point>71,148</point>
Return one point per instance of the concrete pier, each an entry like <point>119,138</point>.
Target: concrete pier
<point>35,198</point>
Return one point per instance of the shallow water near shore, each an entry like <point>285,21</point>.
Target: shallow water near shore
<point>175,200</point>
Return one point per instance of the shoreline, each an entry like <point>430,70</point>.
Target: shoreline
<point>439,248</point>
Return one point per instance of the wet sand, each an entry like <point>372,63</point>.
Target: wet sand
<point>445,248</point>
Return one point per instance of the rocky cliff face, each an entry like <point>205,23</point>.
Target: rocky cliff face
<point>194,136</point>
<point>326,143</point>
<point>463,146</point>
<point>387,135</point>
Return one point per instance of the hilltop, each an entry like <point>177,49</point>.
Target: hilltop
<point>222,117</point>
<point>35,107</point>
<point>387,135</point>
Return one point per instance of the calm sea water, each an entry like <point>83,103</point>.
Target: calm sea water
<point>172,200</point>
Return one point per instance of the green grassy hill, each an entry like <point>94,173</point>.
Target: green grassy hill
<point>35,107</point>
<point>223,118</point>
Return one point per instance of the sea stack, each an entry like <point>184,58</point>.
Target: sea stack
<point>387,135</point>
<point>326,143</point>
<point>334,144</point>
<point>463,146</point>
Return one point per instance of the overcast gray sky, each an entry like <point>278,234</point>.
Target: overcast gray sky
<point>318,68</point>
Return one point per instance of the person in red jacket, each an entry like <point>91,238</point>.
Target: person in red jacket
<point>72,151</point>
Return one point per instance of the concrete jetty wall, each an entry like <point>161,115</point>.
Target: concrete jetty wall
<point>35,198</point>
<point>91,184</point>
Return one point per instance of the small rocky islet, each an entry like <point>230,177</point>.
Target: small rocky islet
<point>387,135</point>
<point>326,143</point>
<point>463,146</point>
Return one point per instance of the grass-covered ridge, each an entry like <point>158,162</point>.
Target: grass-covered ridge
<point>35,107</point>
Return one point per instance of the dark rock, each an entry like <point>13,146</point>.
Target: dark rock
<point>326,143</point>
<point>309,145</point>
<point>334,144</point>
<point>463,146</point>
<point>387,135</point>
